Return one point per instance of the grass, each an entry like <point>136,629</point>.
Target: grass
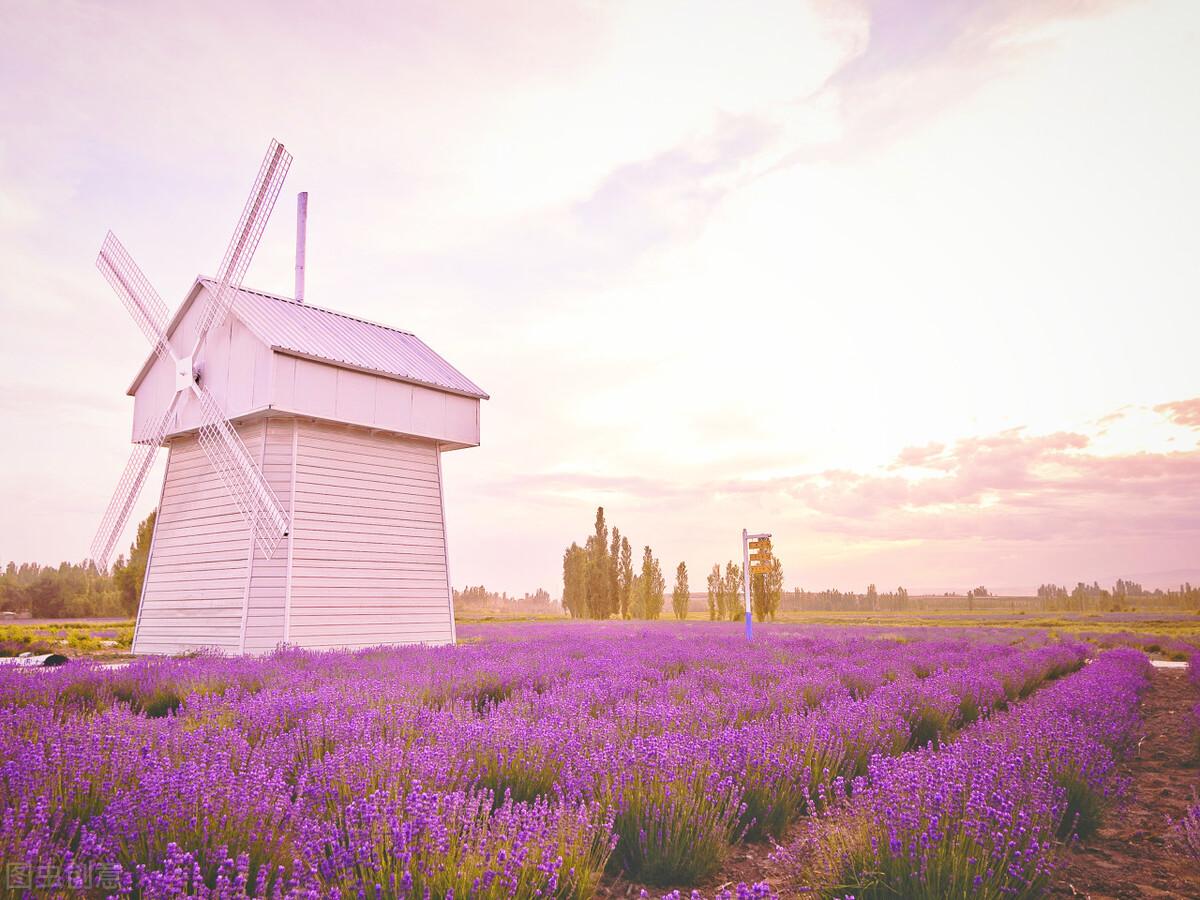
<point>1149,622</point>
<point>69,638</point>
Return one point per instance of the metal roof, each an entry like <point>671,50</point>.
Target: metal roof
<point>310,331</point>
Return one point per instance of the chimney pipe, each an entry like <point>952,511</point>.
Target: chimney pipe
<point>301,233</point>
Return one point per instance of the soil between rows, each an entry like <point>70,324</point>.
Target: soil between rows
<point>1130,856</point>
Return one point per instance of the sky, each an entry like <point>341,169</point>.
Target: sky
<point>911,286</point>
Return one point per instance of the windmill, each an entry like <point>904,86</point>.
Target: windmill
<point>346,421</point>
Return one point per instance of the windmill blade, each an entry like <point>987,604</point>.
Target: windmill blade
<point>121,505</point>
<point>143,302</point>
<point>246,236</point>
<point>129,488</point>
<point>255,499</point>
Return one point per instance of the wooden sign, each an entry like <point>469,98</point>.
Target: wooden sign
<point>764,544</point>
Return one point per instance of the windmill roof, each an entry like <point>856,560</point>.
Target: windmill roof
<point>323,334</point>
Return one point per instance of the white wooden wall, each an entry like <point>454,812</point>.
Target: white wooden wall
<point>235,368</point>
<point>306,387</point>
<point>246,378</point>
<point>369,549</point>
<point>265,608</point>
<point>196,574</point>
<point>366,562</point>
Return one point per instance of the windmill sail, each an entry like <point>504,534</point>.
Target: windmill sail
<point>225,450</point>
<point>129,488</point>
<point>143,302</point>
<point>255,500</point>
<point>246,236</point>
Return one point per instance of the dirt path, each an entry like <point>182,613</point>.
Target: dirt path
<point>1129,857</point>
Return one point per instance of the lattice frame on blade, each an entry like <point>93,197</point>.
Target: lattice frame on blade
<point>230,459</point>
<point>129,488</point>
<point>246,236</point>
<point>253,496</point>
<point>143,302</point>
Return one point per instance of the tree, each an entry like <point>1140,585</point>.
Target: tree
<point>714,591</point>
<point>872,597</point>
<point>599,595</point>
<point>614,571</point>
<point>649,601</point>
<point>575,599</point>
<point>658,587</point>
<point>129,578</point>
<point>767,590</point>
<point>682,594</point>
<point>733,591</point>
<point>626,576</point>
<point>775,586</point>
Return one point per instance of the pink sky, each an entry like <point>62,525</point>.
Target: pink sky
<point>915,292</point>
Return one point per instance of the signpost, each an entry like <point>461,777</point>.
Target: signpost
<point>758,563</point>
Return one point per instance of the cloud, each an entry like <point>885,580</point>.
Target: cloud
<point>1013,486</point>
<point>1182,412</point>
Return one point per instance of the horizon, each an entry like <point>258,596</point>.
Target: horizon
<point>918,301</point>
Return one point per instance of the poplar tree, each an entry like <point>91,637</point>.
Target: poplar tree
<point>575,581</point>
<point>714,592</point>
<point>774,586</point>
<point>733,590</point>
<point>599,595</point>
<point>626,577</point>
<point>653,585</point>
<point>681,594</point>
<point>614,571</point>
<point>649,600</point>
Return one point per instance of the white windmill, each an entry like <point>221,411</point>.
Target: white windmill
<point>302,501</point>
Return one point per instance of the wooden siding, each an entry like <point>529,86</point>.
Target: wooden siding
<point>309,388</point>
<point>196,575</point>
<point>369,553</point>
<point>268,577</point>
<point>365,563</point>
<point>235,367</point>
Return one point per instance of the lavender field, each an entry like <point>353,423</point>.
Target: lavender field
<point>553,760</point>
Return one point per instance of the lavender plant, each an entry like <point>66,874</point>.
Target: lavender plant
<point>523,763</point>
<point>980,816</point>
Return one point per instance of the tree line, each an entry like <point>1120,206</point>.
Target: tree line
<point>599,580</point>
<point>77,590</point>
<point>1093,597</point>
<point>872,600</point>
<point>478,599</point>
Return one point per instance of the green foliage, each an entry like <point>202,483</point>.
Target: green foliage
<point>129,577</point>
<point>76,590</point>
<point>767,591</point>
<point>575,586</point>
<point>675,828</point>
<point>714,592</point>
<point>598,577</point>
<point>649,600</point>
<point>681,594</point>
<point>730,602</point>
<point>67,638</point>
<point>602,602</point>
<point>626,577</point>
<point>1085,806</point>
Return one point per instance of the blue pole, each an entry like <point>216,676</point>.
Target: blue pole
<point>749,627</point>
